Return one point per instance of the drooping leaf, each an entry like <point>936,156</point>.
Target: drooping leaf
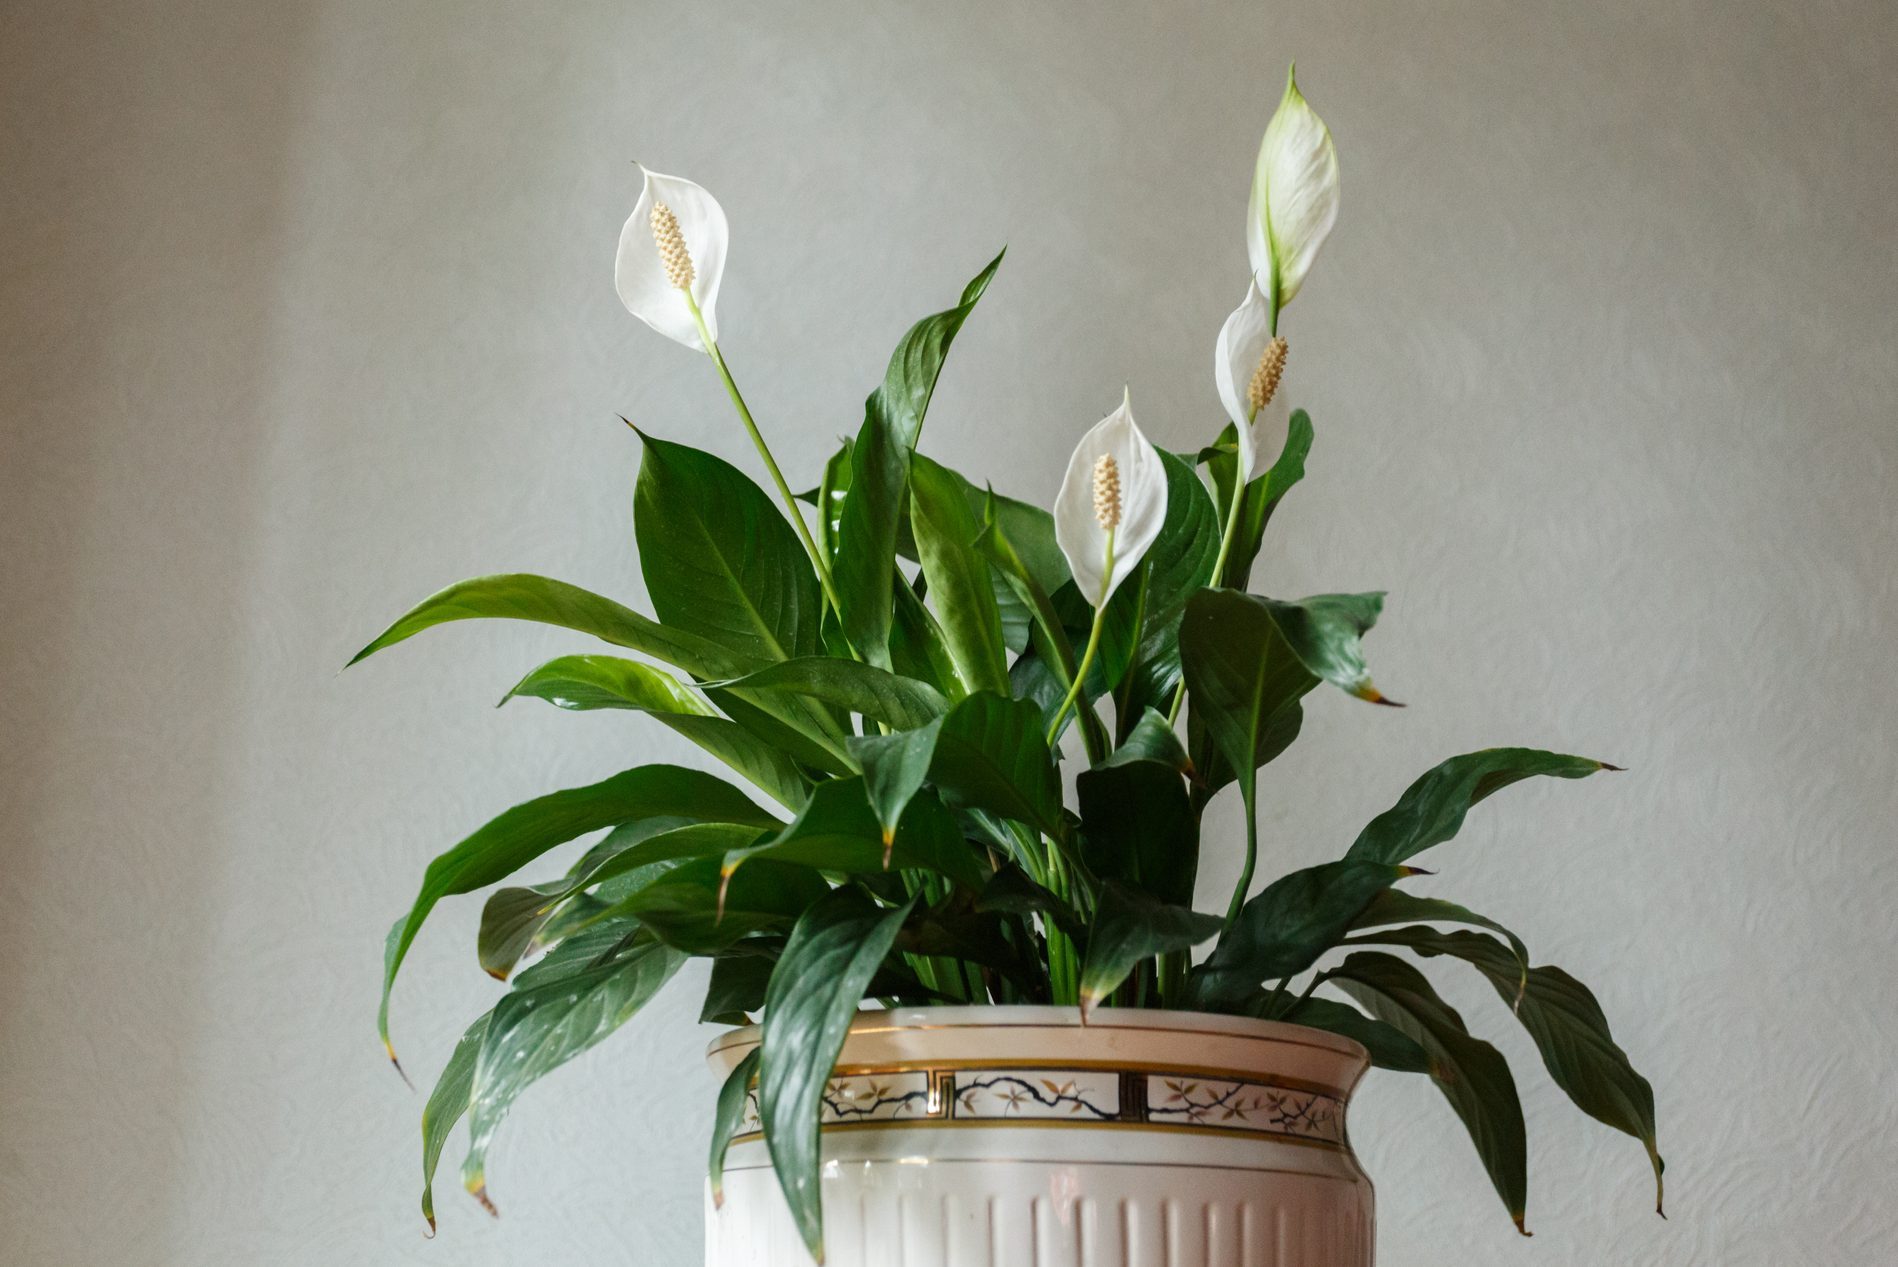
<point>838,831</point>
<point>1567,1024</point>
<point>1431,810</point>
<point>961,587</point>
<point>719,559</point>
<point>586,682</point>
<point>733,1097</point>
<point>513,919</point>
<point>894,768</point>
<point>518,836</point>
<point>833,954</point>
<point>523,596</point>
<point>1130,926</point>
<point>446,1105</point>
<point>735,987</point>
<point>1395,906</point>
<point>1472,1075</point>
<point>879,474</point>
<point>701,908</point>
<point>549,1018</point>
<point>1138,828</point>
<point>1390,1047</point>
<point>1284,929</point>
<point>900,702</point>
<point>991,754</point>
<point>1011,891</point>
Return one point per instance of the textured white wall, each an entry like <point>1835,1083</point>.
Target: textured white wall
<point>306,310</point>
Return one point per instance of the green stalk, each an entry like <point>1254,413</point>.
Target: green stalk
<point>764,451</point>
<point>1093,645</point>
<point>1219,565</point>
<point>1240,889</point>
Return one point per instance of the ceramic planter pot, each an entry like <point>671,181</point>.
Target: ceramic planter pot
<point>1017,1137</point>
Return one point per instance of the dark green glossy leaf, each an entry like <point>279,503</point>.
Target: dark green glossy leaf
<point>733,1099</point>
<point>1284,930</point>
<point>1472,1075</point>
<point>1012,892</point>
<point>1263,495</point>
<point>701,908</point>
<point>1395,906</point>
<point>549,1018</point>
<point>446,1105</point>
<point>1153,738</point>
<point>1138,827</point>
<point>1390,1047</point>
<point>879,474</point>
<point>878,694</point>
<point>918,647</point>
<point>513,920</point>
<point>1431,810</point>
<point>522,596</point>
<point>719,559</point>
<point>1179,564</point>
<point>1569,1029</point>
<point>515,838</point>
<point>585,682</point>
<point>736,985</point>
<point>894,768</point>
<point>1129,926</point>
<point>839,832</point>
<point>829,498</point>
<point>961,587</point>
<point>991,754</point>
<point>833,954</point>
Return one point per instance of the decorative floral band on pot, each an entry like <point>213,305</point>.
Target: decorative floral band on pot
<point>1017,1137</point>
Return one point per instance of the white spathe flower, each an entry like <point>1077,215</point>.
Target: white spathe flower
<point>1242,343</point>
<point>1294,195</point>
<point>1115,484</point>
<point>641,273</point>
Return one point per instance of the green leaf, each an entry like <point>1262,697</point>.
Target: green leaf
<point>522,596</point>
<point>733,1098</point>
<point>838,831</point>
<point>719,559</point>
<point>736,985</point>
<point>1390,1047</point>
<point>515,838</point>
<point>1431,810</point>
<point>991,754</point>
<point>959,579</point>
<point>1394,906</point>
<point>1179,564</point>
<point>585,682</point>
<point>865,566</point>
<point>446,1105</point>
<point>1129,926</point>
<point>830,496</point>
<point>1138,827</point>
<point>833,953</point>
<point>513,919</point>
<point>1472,1075</point>
<point>560,1009</point>
<point>894,767</point>
<point>701,908</point>
<point>1030,532</point>
<point>1263,495</point>
<point>1012,892</point>
<point>1567,1024</point>
<point>1284,930</point>
<point>1153,738</point>
<point>918,648</point>
<point>900,702</point>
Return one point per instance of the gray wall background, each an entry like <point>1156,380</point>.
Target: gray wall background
<point>307,310</point>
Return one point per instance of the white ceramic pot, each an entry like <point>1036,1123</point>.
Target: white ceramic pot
<point>1017,1137</point>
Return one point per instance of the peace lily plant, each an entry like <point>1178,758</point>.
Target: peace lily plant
<point>899,663</point>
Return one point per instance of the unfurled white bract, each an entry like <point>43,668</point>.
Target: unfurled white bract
<point>1294,196</point>
<point>640,273</point>
<point>1242,343</point>
<point>1080,530</point>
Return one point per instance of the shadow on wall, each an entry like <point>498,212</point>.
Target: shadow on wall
<point>145,209</point>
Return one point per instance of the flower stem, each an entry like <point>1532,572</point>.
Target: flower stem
<point>1093,645</point>
<point>1219,564</point>
<point>764,451</point>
